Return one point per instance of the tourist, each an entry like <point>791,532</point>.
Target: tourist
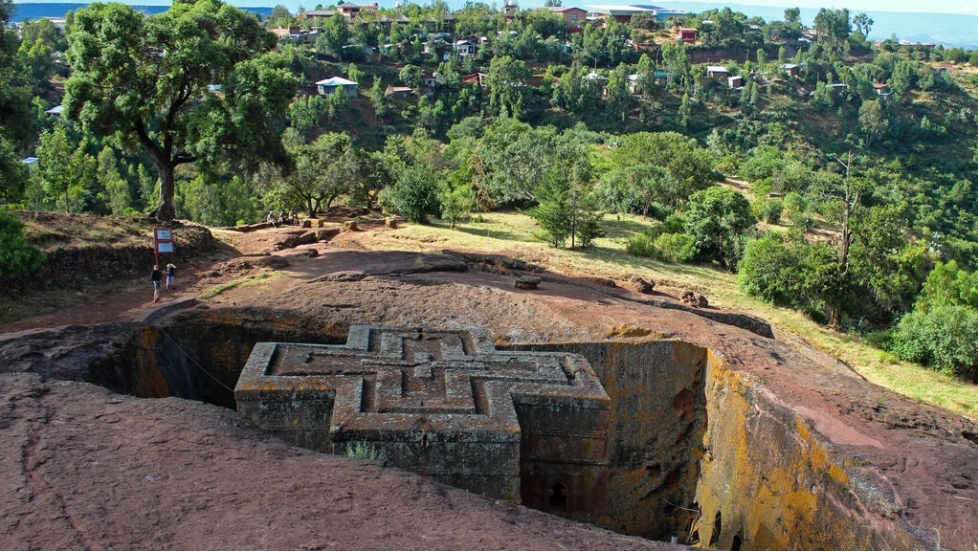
<point>157,276</point>
<point>171,276</point>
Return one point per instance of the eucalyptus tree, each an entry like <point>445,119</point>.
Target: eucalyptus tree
<point>619,97</point>
<point>545,23</point>
<point>15,111</point>
<point>508,87</point>
<point>65,170</point>
<point>335,35</point>
<point>833,28</point>
<point>677,64</point>
<point>645,84</point>
<point>15,118</point>
<point>873,120</point>
<point>193,83</point>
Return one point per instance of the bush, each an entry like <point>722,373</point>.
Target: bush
<point>795,205</point>
<point>944,338</point>
<point>673,224</point>
<point>554,221</point>
<point>588,228</point>
<point>816,315</point>
<point>675,248</point>
<point>769,270</point>
<point>718,219</point>
<point>17,257</point>
<point>361,450</point>
<point>762,188</point>
<point>663,246</point>
<point>771,211</point>
<point>803,222</point>
<point>415,195</point>
<point>641,245</point>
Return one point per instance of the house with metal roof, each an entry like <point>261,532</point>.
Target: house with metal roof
<point>624,13</point>
<point>326,87</point>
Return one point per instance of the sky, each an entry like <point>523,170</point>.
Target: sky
<point>969,7</point>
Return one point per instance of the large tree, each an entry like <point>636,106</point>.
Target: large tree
<point>15,111</point>
<point>832,27</point>
<point>718,220</point>
<point>152,79</point>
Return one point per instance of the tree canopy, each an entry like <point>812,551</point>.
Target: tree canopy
<point>194,82</point>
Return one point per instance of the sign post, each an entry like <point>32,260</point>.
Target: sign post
<point>162,242</point>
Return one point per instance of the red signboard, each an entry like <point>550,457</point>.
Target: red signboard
<point>162,242</point>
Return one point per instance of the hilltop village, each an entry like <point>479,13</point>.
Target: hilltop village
<point>699,279</point>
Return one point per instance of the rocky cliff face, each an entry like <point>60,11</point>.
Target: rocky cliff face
<point>730,438</point>
<point>697,445</point>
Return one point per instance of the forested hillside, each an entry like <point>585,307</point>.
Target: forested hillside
<point>833,175</point>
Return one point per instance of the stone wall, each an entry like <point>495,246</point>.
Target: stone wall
<point>655,430</point>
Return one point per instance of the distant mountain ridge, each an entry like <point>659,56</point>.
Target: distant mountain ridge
<point>943,28</point>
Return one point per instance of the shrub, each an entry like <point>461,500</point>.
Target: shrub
<point>675,248</point>
<point>769,270</point>
<point>673,224</point>
<point>771,211</point>
<point>803,222</point>
<point>795,205</point>
<point>364,451</point>
<point>641,245</point>
<point>415,195</point>
<point>554,221</point>
<point>456,203</point>
<point>762,187</point>
<point>718,219</point>
<point>17,257</point>
<point>663,246</point>
<point>944,338</point>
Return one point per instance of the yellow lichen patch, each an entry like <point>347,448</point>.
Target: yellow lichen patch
<point>768,477</point>
<point>624,330</point>
<point>148,379</point>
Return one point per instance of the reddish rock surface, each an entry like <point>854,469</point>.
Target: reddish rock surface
<point>85,468</point>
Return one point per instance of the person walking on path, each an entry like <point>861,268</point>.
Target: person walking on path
<point>157,276</point>
<point>171,276</point>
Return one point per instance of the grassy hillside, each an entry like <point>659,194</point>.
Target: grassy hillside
<point>511,234</point>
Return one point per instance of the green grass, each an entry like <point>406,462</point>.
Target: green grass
<point>253,280</point>
<point>511,234</point>
<point>364,451</point>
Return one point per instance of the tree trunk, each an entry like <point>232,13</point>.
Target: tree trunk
<point>166,209</point>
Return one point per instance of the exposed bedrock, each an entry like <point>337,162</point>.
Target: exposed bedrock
<point>694,446</point>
